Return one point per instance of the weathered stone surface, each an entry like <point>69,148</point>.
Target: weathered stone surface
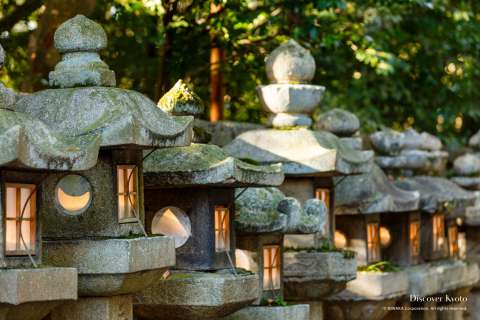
<point>439,194</point>
<point>290,63</point>
<point>359,310</point>
<point>202,164</point>
<point>195,295</point>
<point>180,100</point>
<point>256,211</point>
<point>28,142</point>
<point>80,34</point>
<point>353,142</point>
<point>372,192</point>
<point>387,141</point>
<point>7,97</point>
<point>289,120</point>
<point>339,122</point>
<point>301,151</point>
<point>391,142</point>
<point>290,312</point>
<point>97,308</point>
<point>21,286</point>
<point>79,39</point>
<point>421,141</point>
<point>119,116</point>
<point>471,183</point>
<point>417,160</point>
<point>222,132</point>
<point>113,266</point>
<point>466,165</point>
<point>474,141</point>
<point>374,286</point>
<point>291,98</point>
<point>263,210</point>
<point>440,277</point>
<point>314,275</point>
<point>472,214</point>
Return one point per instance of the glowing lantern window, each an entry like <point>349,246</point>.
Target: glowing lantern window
<point>373,242</point>
<point>271,268</point>
<point>172,221</point>
<point>438,232</point>
<point>222,229</point>
<point>324,195</point>
<point>127,186</point>
<point>385,237</point>
<point>340,240</point>
<point>20,219</point>
<point>414,238</point>
<point>453,240</point>
<point>73,194</point>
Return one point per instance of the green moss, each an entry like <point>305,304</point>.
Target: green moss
<point>277,302</point>
<point>382,266</point>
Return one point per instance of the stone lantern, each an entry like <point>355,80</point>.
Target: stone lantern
<point>263,217</point>
<point>190,195</point>
<point>373,218</point>
<point>442,210</point>
<point>30,152</point>
<point>311,160</point>
<point>93,219</point>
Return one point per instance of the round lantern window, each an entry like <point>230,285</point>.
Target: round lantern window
<point>172,221</point>
<point>73,194</point>
<point>340,240</point>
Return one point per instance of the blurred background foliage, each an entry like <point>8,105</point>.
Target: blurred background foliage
<point>396,63</point>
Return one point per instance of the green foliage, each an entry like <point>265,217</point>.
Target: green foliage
<point>277,302</point>
<point>394,63</point>
<point>382,266</point>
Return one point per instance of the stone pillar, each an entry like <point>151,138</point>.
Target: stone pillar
<point>96,308</point>
<point>316,310</point>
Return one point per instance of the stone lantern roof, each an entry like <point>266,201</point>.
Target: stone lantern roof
<point>439,195</point>
<point>206,165</point>
<point>409,150</point>
<point>466,168</point>
<point>268,210</point>
<point>302,152</point>
<point>87,102</point>
<point>372,192</point>
<point>28,143</point>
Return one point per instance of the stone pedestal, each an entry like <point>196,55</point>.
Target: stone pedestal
<point>96,308</point>
<point>473,305</point>
<point>30,294</point>
<point>359,310</point>
<point>189,295</point>
<point>428,312</point>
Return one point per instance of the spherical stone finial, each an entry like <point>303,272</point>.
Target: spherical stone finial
<point>339,122</point>
<point>180,100</point>
<point>290,63</point>
<point>79,40</point>
<point>80,34</point>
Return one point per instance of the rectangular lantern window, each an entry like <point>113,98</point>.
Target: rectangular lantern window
<point>222,229</point>
<point>453,240</point>
<point>438,231</point>
<point>127,187</point>
<point>20,219</point>
<point>271,268</point>
<point>324,195</point>
<point>373,242</point>
<point>414,238</point>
